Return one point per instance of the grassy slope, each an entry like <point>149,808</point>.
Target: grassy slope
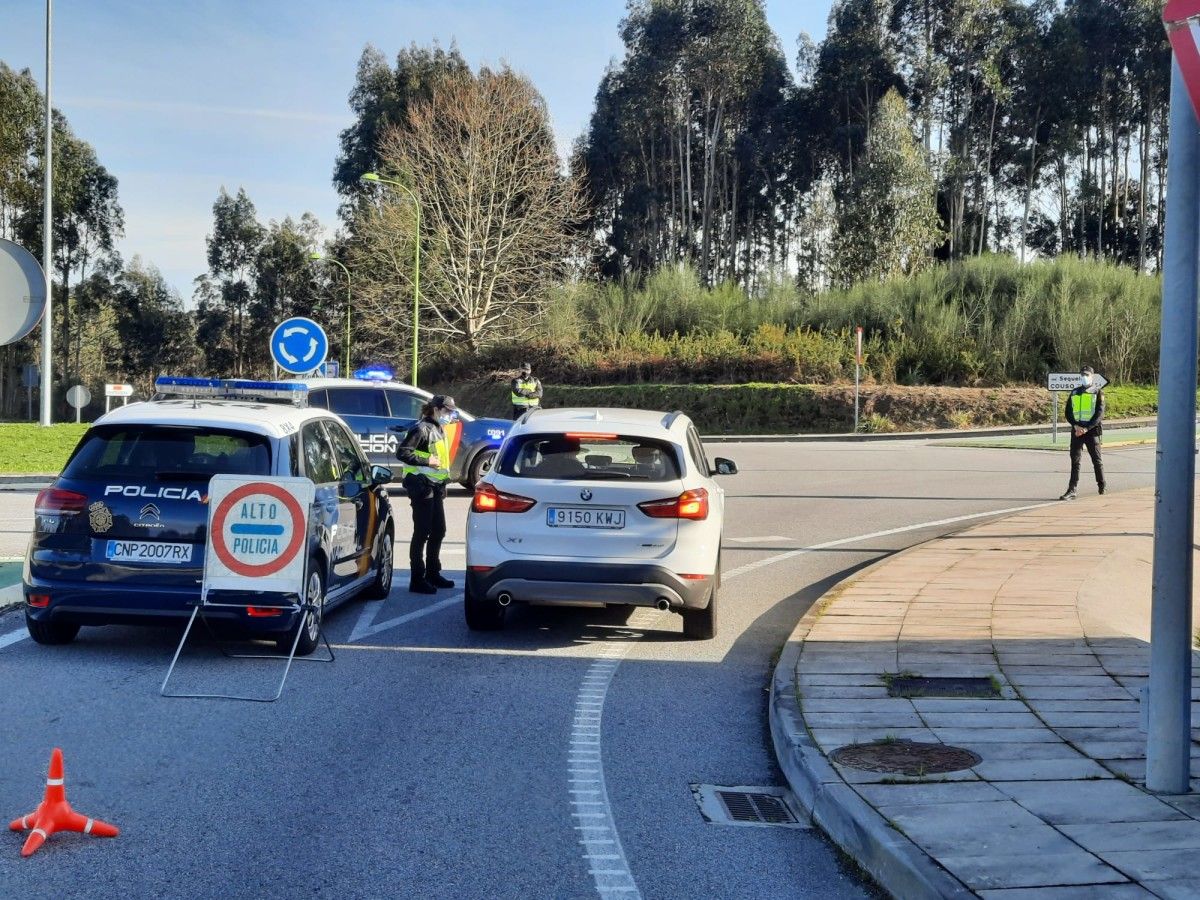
<point>31,448</point>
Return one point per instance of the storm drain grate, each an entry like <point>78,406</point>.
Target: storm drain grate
<point>721,805</point>
<point>921,686</point>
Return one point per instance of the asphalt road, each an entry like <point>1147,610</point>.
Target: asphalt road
<point>553,759</point>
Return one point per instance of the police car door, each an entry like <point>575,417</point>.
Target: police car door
<point>320,467</point>
<point>355,496</point>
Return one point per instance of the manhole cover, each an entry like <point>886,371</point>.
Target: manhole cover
<point>911,758</point>
<point>746,806</point>
<point>920,686</point>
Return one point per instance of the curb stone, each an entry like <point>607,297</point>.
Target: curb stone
<point>897,864</point>
<point>11,596</point>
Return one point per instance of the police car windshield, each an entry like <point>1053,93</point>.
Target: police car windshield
<point>589,457</point>
<point>168,453</point>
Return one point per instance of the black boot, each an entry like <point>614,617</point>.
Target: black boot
<point>1100,487</point>
<point>438,581</point>
<point>417,583</point>
<point>1069,495</point>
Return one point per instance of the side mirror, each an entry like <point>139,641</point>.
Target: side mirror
<point>381,475</point>
<point>725,467</point>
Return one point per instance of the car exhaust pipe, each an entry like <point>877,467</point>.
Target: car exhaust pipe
<point>662,604</point>
<point>504,598</point>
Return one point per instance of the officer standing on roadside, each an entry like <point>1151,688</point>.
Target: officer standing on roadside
<point>1085,412</point>
<point>425,453</point>
<point>526,392</point>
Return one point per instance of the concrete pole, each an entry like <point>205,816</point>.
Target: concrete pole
<point>1169,740</point>
<point>47,241</point>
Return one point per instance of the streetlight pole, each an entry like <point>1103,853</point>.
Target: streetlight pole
<point>47,241</point>
<point>317,257</point>
<point>372,176</point>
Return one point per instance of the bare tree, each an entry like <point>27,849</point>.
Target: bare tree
<point>496,212</point>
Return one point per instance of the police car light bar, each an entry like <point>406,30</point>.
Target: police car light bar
<point>374,373</point>
<point>230,388</point>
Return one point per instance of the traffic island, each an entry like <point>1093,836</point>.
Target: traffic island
<point>964,718</point>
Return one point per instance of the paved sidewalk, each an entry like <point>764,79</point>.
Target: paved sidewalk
<point>1053,606</point>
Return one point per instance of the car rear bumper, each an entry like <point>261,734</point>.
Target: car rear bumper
<point>75,604</point>
<point>583,583</point>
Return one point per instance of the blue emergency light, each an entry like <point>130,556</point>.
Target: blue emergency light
<point>230,389</point>
<point>375,373</point>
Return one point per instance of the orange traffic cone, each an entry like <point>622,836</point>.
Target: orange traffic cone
<point>55,813</point>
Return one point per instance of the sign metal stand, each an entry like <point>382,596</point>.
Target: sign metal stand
<point>273,577</point>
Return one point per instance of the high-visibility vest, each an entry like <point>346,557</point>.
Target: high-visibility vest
<point>518,400</point>
<point>441,449</point>
<point>1083,406</point>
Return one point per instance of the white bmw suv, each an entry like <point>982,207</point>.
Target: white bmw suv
<point>598,507</point>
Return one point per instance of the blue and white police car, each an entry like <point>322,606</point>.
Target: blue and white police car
<point>379,411</point>
<point>119,537</point>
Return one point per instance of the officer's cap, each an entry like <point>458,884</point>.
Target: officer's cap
<point>441,402</point>
<point>526,368</point>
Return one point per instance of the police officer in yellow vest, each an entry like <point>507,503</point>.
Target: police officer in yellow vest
<point>526,392</point>
<point>1085,412</point>
<point>425,453</point>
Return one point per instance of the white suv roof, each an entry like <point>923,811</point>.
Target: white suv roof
<point>603,419</point>
<point>315,384</point>
<point>275,420</point>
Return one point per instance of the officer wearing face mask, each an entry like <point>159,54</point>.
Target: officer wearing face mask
<point>425,453</point>
<point>1085,412</point>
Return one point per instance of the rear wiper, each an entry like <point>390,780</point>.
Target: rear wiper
<point>608,476</point>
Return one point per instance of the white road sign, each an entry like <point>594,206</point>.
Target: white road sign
<point>1068,381</point>
<point>118,390</point>
<point>257,533</point>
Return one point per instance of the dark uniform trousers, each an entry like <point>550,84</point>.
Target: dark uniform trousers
<point>1090,439</point>
<point>429,530</point>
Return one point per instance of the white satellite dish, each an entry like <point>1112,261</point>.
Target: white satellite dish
<point>22,292</point>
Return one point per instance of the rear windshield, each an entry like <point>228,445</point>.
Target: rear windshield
<point>163,452</point>
<point>589,457</point>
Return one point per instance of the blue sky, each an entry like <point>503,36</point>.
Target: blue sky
<point>180,98</point>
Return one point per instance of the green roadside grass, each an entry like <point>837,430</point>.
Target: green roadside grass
<point>27,448</point>
<point>1114,438</point>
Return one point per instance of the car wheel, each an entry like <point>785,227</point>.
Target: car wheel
<point>480,466</point>
<point>482,614</point>
<point>701,624</point>
<point>50,632</point>
<point>381,584</point>
<point>310,625</point>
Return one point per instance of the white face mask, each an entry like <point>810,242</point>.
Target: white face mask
<point>445,418</point>
<point>1087,380</point>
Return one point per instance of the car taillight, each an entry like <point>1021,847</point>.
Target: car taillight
<point>40,601</point>
<point>488,499</point>
<point>688,505</point>
<point>58,502</point>
<point>263,612</point>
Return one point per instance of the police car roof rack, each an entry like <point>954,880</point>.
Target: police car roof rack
<point>175,387</point>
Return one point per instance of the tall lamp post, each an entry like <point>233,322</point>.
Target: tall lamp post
<point>373,177</point>
<point>47,242</point>
<point>318,257</point>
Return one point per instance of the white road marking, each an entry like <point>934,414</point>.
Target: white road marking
<point>366,626</point>
<point>12,637</point>
<point>841,542</point>
<point>754,540</point>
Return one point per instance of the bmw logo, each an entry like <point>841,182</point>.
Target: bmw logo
<point>585,494</point>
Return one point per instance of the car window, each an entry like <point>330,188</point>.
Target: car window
<point>148,452</point>
<point>590,457</point>
<point>318,456</point>
<point>318,399</point>
<point>346,455</point>
<point>405,405</point>
<point>696,448</point>
<point>355,401</point>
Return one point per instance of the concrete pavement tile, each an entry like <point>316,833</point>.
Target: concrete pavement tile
<point>1073,679</point>
<point>850,718</point>
<point>1079,735</point>
<point>1111,691</point>
<point>1130,768</point>
<point>924,794</point>
<point>838,679</point>
<point>1125,891</point>
<point>994,752</point>
<point>966,705</point>
<point>1117,749</point>
<point>1068,866</point>
<point>861,776</point>
<point>1089,706</point>
<point>987,827</point>
<point>980,720</point>
<point>1189,804</point>
<point>866,705</point>
<point>1148,866</point>
<point>829,739</point>
<point>1041,769</point>
<point>1177,888</point>
<point>1057,719</point>
<point>811,664</point>
<point>997,735</point>
<point>1080,802</point>
<point>844,692</point>
<point>1105,836</point>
